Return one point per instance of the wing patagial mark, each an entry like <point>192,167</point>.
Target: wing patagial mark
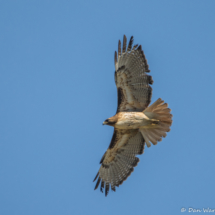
<point>113,141</point>
<point>120,98</point>
<point>102,158</point>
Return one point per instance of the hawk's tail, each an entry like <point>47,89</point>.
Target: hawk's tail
<point>161,118</point>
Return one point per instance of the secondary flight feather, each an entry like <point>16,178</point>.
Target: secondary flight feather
<point>135,122</point>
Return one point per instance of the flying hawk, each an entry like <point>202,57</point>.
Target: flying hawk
<point>135,122</point>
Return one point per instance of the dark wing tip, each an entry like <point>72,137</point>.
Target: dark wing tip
<point>130,43</point>
<point>106,189</point>
<point>124,44</point>
<point>97,183</point>
<point>113,188</point>
<point>115,57</point>
<point>96,176</point>
<point>120,183</point>
<point>119,49</point>
<point>139,48</point>
<point>102,186</point>
<point>135,46</point>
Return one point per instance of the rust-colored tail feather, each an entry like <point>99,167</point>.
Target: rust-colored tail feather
<point>160,112</point>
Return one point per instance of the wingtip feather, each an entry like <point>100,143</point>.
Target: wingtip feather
<point>96,176</point>
<point>119,49</point>
<point>130,43</point>
<point>124,44</point>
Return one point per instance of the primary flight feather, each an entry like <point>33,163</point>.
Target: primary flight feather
<point>135,122</point>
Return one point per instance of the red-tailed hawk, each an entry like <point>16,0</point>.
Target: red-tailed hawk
<point>134,122</point>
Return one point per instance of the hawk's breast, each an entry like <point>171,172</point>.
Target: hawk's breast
<point>131,120</point>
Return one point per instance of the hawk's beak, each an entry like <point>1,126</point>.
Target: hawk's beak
<point>104,123</point>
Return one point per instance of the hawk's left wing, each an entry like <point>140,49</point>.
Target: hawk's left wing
<point>118,161</point>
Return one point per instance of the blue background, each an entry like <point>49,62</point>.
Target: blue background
<point>57,87</point>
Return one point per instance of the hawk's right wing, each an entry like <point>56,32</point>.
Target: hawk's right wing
<point>131,78</point>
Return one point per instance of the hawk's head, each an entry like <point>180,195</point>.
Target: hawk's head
<point>110,121</point>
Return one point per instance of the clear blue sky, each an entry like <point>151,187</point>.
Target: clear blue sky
<point>57,87</point>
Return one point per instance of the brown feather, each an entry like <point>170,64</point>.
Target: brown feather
<point>96,177</point>
<point>130,44</point>
<point>115,58</point>
<point>119,49</point>
<point>97,183</point>
<point>124,44</point>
